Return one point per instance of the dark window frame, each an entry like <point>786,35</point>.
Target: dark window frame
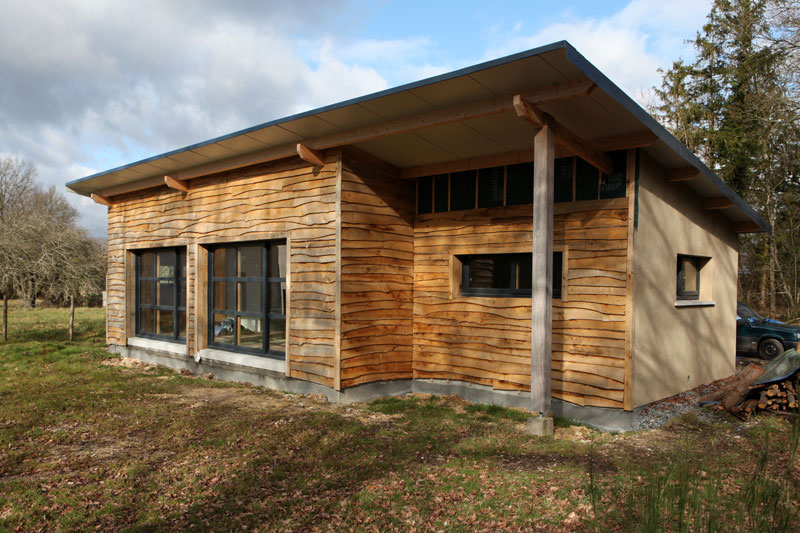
<point>265,315</point>
<point>681,293</point>
<point>506,292</point>
<point>176,279</point>
<point>583,175</point>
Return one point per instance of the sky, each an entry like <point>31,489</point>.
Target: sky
<point>89,85</point>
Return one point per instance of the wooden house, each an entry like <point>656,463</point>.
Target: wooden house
<point>515,222</point>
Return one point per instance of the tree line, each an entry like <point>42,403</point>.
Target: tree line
<point>44,254</point>
<point>737,105</point>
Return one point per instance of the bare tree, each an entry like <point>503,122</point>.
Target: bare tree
<point>16,186</point>
<point>75,269</point>
<point>42,250</point>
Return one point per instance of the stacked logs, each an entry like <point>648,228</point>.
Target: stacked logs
<point>742,398</point>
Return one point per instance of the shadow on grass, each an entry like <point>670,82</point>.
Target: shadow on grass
<point>320,467</point>
<point>91,330</point>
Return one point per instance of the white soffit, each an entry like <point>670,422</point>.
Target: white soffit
<point>606,112</point>
<point>460,140</point>
<point>275,136</point>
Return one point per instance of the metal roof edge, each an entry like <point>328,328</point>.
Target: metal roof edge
<point>386,92</point>
<point>604,83</point>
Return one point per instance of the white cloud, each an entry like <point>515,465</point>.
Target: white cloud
<point>92,84</point>
<point>628,46</point>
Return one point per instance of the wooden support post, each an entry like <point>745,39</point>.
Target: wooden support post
<point>71,318</point>
<point>565,137</point>
<point>315,157</point>
<point>102,200</point>
<point>542,283</point>
<point>5,316</point>
<point>178,185</point>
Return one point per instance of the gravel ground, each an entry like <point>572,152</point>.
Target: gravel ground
<point>659,413</point>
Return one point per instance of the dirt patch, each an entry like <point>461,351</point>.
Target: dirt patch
<point>575,433</point>
<point>230,397</point>
<point>600,463</point>
<point>260,400</point>
<point>127,362</point>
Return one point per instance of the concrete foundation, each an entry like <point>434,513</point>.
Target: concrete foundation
<point>540,426</point>
<point>601,418</point>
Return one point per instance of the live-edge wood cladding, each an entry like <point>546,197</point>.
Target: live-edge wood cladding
<point>392,299</point>
<point>288,199</point>
<point>488,340</point>
<point>377,254</point>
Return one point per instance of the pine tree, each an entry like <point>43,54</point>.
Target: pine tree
<point>735,106</point>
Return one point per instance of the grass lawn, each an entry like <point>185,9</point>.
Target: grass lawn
<point>88,441</point>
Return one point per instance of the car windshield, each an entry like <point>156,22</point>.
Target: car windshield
<point>745,313</point>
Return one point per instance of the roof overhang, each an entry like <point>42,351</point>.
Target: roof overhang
<point>465,117</point>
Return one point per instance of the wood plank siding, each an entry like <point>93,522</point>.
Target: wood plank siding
<point>374,292</point>
<point>285,200</point>
<point>377,273</point>
<point>487,340</point>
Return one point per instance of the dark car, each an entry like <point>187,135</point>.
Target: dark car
<point>763,336</point>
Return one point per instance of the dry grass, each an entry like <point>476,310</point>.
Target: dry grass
<point>88,441</point>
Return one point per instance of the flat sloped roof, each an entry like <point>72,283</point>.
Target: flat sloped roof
<point>605,112</point>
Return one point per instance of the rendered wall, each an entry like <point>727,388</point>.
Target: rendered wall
<point>285,200</point>
<point>676,349</point>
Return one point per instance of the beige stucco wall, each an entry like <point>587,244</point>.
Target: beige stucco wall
<point>676,349</point>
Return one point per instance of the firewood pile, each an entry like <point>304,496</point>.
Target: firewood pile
<point>772,388</point>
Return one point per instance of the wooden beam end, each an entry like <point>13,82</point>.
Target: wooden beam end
<point>102,200</point>
<point>682,174</point>
<point>530,113</point>
<point>178,185</point>
<point>746,227</point>
<point>309,155</point>
<point>720,202</point>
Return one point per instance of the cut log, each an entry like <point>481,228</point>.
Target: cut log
<point>747,377</point>
<point>744,375</point>
<point>763,400</point>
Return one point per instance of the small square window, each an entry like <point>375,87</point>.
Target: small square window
<point>688,284</point>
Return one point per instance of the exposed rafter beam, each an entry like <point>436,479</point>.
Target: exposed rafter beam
<point>102,200</point>
<point>682,174</point>
<point>564,136</point>
<point>746,227</point>
<point>608,144</point>
<point>719,202</point>
<point>494,160</point>
<point>178,185</point>
<point>493,106</point>
<point>240,161</point>
<point>309,155</point>
<point>624,142</point>
<point>147,183</point>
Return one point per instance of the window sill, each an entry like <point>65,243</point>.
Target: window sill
<point>694,303</point>
<point>254,361</point>
<point>162,346</point>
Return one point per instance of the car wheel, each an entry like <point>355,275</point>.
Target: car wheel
<point>770,348</point>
